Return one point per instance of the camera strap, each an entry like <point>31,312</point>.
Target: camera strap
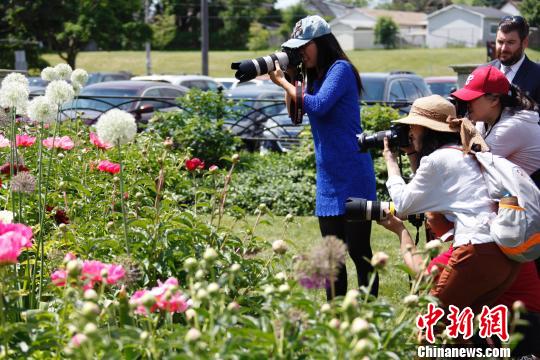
<point>298,104</point>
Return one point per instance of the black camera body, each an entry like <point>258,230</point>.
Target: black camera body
<point>249,69</point>
<point>398,136</point>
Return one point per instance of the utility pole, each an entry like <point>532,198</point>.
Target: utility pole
<point>147,44</point>
<point>204,36</point>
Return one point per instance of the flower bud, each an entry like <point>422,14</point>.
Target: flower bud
<point>210,255</point>
<point>344,326</point>
<point>110,225</point>
<point>519,306</point>
<point>193,335</point>
<point>233,306</point>
<point>116,179</point>
<point>235,158</point>
<point>148,300</point>
<point>334,323</point>
<point>284,288</point>
<point>410,300</point>
<point>90,328</point>
<point>235,267</point>
<point>144,335</point>
<point>201,294</point>
<point>359,327</point>
<point>199,274</point>
<point>190,314</point>
<point>281,276</point>
<point>213,169</point>
<point>63,227</point>
<point>139,195</point>
<point>90,310</point>
<point>90,294</point>
<point>74,268</point>
<point>289,218</point>
<point>212,288</point>
<point>326,308</point>
<point>351,299</point>
<point>279,247</point>
<point>269,289</point>
<point>363,347</point>
<point>104,274</point>
<point>379,260</point>
<point>190,264</point>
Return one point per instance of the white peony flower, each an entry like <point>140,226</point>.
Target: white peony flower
<point>42,109</point>
<point>79,76</point>
<point>64,71</point>
<point>6,216</point>
<point>15,77</point>
<point>50,74</point>
<point>117,126</point>
<point>59,92</point>
<point>14,94</point>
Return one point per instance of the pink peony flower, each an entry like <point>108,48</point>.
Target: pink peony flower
<point>77,340</point>
<point>69,256</point>
<point>194,164</point>
<point>115,273</point>
<point>91,270</point>
<point>64,143</point>
<point>4,142</point>
<point>25,140</point>
<point>13,237</point>
<point>59,277</point>
<point>107,166</point>
<point>166,296</point>
<point>97,142</point>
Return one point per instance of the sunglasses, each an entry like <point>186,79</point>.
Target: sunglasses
<point>510,18</point>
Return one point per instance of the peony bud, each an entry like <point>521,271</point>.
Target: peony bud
<point>144,335</point>
<point>379,260</point>
<point>213,169</point>
<point>359,327</point>
<point>74,268</point>
<point>334,323</point>
<point>279,247</point>
<point>410,300</point>
<point>281,276</point>
<point>363,347</point>
<point>233,306</point>
<point>201,294</point>
<point>193,335</point>
<point>284,288</point>
<point>90,310</point>
<point>269,289</point>
<point>519,306</point>
<point>344,326</point>
<point>148,300</point>
<point>325,308</point>
<point>190,314</point>
<point>90,328</point>
<point>351,299</point>
<point>235,268</point>
<point>212,288</point>
<point>235,158</point>
<point>190,264</point>
<point>90,294</point>
<point>289,218</point>
<point>199,274</point>
<point>210,255</point>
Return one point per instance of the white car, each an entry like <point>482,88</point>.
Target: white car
<point>202,82</point>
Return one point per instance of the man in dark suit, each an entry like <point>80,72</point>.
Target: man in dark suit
<point>512,39</point>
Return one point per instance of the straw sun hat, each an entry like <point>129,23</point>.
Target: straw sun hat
<point>431,112</point>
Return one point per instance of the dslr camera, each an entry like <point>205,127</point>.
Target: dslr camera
<point>357,209</point>
<point>398,136</point>
<point>251,68</point>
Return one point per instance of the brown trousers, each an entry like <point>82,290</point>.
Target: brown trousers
<point>476,275</point>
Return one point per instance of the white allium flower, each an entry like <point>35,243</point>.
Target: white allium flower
<point>15,77</point>
<point>64,71</point>
<point>116,126</point>
<point>59,91</point>
<point>41,108</point>
<point>79,76</point>
<point>6,216</point>
<point>50,74</point>
<point>14,95</point>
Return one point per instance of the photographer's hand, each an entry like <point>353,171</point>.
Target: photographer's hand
<point>278,77</point>
<point>391,162</point>
<point>392,223</point>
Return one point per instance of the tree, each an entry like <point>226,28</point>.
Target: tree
<point>531,11</point>
<point>258,37</point>
<point>426,6</point>
<point>289,18</point>
<point>356,3</point>
<point>68,26</point>
<point>386,31</point>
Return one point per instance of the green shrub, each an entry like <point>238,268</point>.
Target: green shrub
<point>198,127</point>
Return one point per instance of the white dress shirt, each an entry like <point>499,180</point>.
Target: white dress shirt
<point>448,182</point>
<point>511,71</point>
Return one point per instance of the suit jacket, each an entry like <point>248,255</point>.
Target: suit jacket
<point>527,77</point>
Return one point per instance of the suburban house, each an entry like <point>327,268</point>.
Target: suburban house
<point>461,25</point>
<point>355,29</point>
<point>327,9</point>
<point>511,7</point>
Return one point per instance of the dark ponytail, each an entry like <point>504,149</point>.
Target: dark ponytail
<point>517,100</point>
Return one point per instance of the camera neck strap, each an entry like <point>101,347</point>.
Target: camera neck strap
<point>297,111</point>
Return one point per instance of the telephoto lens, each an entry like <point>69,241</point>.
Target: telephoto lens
<point>398,136</point>
<point>249,69</point>
<point>357,209</point>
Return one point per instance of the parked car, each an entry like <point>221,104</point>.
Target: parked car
<point>202,82</point>
<point>97,77</point>
<point>254,106</point>
<point>37,85</point>
<point>98,98</point>
<point>442,85</point>
<point>230,83</point>
<point>398,87</point>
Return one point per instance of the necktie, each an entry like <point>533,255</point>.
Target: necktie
<point>507,70</point>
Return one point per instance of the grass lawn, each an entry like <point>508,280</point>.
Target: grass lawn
<point>304,232</point>
<point>425,62</point>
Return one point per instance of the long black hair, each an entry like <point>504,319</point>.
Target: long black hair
<point>432,140</point>
<point>328,52</point>
<point>517,100</point>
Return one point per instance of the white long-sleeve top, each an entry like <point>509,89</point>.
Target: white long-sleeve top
<point>448,182</point>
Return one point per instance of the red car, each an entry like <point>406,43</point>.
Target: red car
<point>442,85</point>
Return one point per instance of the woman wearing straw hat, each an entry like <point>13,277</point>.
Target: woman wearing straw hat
<point>446,181</point>
<point>331,103</point>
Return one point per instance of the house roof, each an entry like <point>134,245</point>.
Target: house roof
<point>326,8</point>
<point>401,18</point>
<point>485,12</point>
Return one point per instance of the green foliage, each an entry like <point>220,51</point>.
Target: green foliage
<point>258,37</point>
<point>356,3</point>
<point>290,16</point>
<point>386,31</point>
<point>198,127</point>
<point>531,11</point>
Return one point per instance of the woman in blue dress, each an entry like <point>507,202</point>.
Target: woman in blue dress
<point>332,105</point>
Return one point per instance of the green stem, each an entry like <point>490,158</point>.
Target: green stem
<point>124,215</point>
<point>2,313</point>
<point>13,152</point>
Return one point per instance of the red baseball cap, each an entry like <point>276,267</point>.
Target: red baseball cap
<point>483,80</point>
